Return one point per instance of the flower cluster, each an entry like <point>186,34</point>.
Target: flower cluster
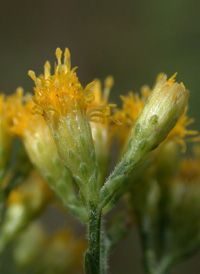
<point>67,132</point>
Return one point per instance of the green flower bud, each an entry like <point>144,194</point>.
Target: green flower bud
<point>159,115</point>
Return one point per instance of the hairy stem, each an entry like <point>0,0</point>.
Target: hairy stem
<point>92,256</point>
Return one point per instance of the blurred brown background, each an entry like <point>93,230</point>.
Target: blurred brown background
<point>132,40</point>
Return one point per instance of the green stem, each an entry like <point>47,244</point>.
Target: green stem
<point>92,256</point>
<point>105,248</point>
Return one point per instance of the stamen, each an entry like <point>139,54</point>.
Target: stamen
<point>109,82</point>
<point>32,75</point>
<point>102,108</point>
<point>47,70</point>
<point>58,56</point>
<point>171,80</point>
<point>62,91</point>
<point>67,60</point>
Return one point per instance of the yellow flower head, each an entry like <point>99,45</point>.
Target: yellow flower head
<point>62,93</point>
<point>32,129</point>
<point>66,107</point>
<point>99,109</point>
<point>34,132</point>
<point>131,108</point>
<point>19,114</point>
<point>100,114</point>
<point>22,122</point>
<point>133,104</point>
<point>39,144</point>
<point>103,125</point>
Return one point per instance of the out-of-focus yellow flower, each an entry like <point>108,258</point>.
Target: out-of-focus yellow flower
<point>5,137</point>
<point>65,253</point>
<point>29,246</point>
<point>41,148</point>
<point>166,202</point>
<point>180,131</point>
<point>103,127</point>
<point>33,130</point>
<point>64,103</point>
<point>61,252</point>
<point>34,193</point>
<point>99,109</point>
<point>24,203</point>
<point>190,167</point>
<point>131,108</point>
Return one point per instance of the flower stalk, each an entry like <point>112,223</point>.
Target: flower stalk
<point>92,255</point>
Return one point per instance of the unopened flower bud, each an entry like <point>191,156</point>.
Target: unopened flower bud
<point>159,115</point>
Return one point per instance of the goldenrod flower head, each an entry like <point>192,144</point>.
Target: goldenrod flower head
<point>101,95</point>
<point>131,108</point>
<point>19,116</point>
<point>100,109</point>
<point>62,92</point>
<point>103,126</point>
<point>63,102</point>
<point>160,113</point>
<point>133,104</point>
<point>180,131</point>
<point>39,145</point>
<point>33,130</point>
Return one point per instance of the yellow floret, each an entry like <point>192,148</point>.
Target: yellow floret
<point>19,115</point>
<point>62,92</point>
